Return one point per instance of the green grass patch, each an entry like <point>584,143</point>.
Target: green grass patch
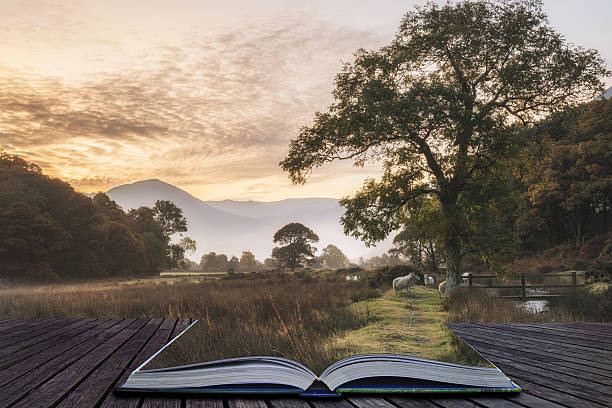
<point>408,324</point>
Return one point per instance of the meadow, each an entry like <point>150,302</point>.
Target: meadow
<point>312,317</point>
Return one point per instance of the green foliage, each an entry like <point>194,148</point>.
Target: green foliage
<point>297,249</point>
<point>568,174</point>
<point>189,245</point>
<point>170,217</point>
<point>332,257</point>
<point>49,232</point>
<point>248,263</point>
<point>435,106</point>
<point>212,262</point>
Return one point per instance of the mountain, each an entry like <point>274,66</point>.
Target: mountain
<point>606,95</point>
<point>230,226</point>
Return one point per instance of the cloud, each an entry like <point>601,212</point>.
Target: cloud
<point>210,109</point>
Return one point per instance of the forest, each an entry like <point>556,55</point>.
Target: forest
<point>50,232</point>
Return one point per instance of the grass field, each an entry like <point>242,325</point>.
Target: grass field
<point>313,318</point>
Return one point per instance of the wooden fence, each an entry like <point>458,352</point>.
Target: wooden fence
<point>469,278</point>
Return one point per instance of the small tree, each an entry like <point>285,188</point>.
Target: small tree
<point>189,245</point>
<point>333,258</point>
<point>248,261</point>
<point>233,264</point>
<point>296,240</point>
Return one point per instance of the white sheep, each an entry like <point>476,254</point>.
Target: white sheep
<point>442,287</point>
<point>349,278</point>
<point>405,282</point>
<point>428,280</point>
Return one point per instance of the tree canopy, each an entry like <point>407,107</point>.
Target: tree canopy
<point>296,240</point>
<point>438,107</point>
<point>332,257</point>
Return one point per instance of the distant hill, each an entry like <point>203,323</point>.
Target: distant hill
<point>230,226</point>
<point>608,93</point>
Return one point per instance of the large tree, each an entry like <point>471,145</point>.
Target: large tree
<point>296,240</point>
<point>436,107</point>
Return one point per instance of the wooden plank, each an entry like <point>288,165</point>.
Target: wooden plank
<point>549,342</point>
<point>10,325</point>
<point>43,354</point>
<point>538,348</point>
<point>156,342</point>
<point>12,349</point>
<point>563,336</point>
<point>594,331</point>
<point>101,381</point>
<point>154,402</point>
<point>542,355</point>
<point>369,401</point>
<point>494,401</point>
<point>162,402</point>
<point>288,403</point>
<point>22,384</point>
<point>246,403</point>
<point>411,402</point>
<point>494,355</point>
<point>529,400</point>
<point>557,396</point>
<point>567,387</point>
<point>575,380</point>
<point>330,403</point>
<point>26,332</point>
<point>204,403</point>
<point>55,389</point>
<point>453,402</point>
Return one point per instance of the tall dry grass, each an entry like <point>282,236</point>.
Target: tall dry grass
<point>477,305</point>
<point>290,316</point>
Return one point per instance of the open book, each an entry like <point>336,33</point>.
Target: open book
<point>175,369</point>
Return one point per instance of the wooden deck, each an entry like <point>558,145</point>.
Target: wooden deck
<point>78,363</point>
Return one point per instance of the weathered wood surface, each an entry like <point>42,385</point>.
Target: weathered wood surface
<point>79,362</point>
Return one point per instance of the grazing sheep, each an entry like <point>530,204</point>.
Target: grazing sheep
<point>442,287</point>
<point>428,280</point>
<point>405,282</point>
<point>356,277</point>
<point>348,278</point>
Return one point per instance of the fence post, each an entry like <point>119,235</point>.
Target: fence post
<point>470,279</point>
<point>523,291</point>
<point>574,279</point>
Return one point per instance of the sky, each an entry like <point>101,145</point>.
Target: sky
<point>205,95</point>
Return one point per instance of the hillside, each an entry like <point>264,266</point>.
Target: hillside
<point>230,226</point>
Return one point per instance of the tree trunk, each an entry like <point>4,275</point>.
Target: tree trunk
<point>452,243</point>
<point>453,262</point>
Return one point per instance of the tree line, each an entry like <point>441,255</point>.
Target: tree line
<point>50,232</point>
<point>296,250</point>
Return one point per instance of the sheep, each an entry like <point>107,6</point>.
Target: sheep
<point>348,278</point>
<point>428,280</point>
<point>404,282</point>
<point>442,287</point>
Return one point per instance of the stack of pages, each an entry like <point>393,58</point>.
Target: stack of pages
<point>176,368</point>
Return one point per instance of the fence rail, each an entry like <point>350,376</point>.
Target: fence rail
<point>523,286</point>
